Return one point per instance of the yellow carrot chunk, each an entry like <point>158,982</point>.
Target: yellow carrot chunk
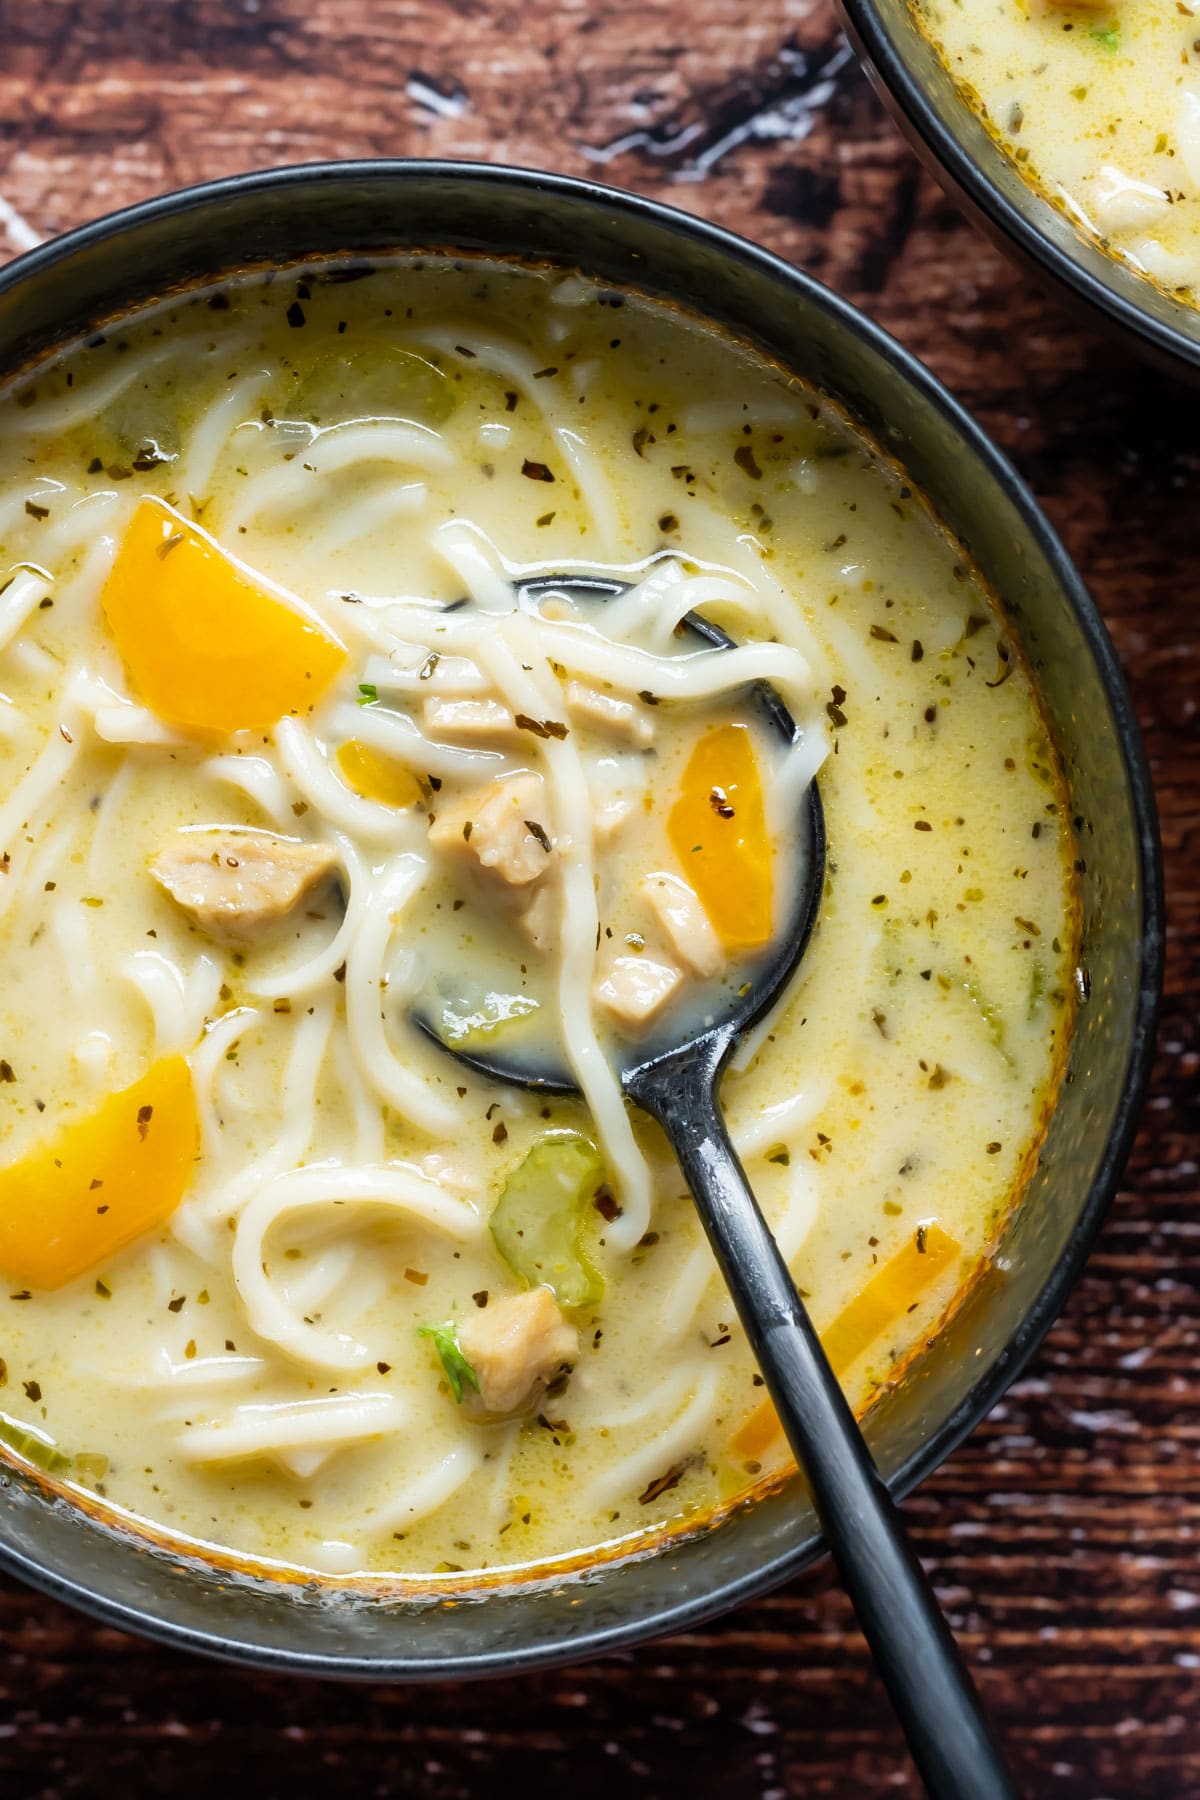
<point>77,1199</point>
<point>377,777</point>
<point>886,1298</point>
<point>210,645</point>
<point>759,1432</point>
<point>718,830</point>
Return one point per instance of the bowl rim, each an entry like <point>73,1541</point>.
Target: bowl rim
<point>983,1395</point>
<point>879,50</point>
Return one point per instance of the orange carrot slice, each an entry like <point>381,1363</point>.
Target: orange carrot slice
<point>77,1199</point>
<point>718,830</point>
<point>377,777</point>
<point>885,1298</point>
<point>210,645</point>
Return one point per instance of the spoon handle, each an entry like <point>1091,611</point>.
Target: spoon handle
<point>931,1690</point>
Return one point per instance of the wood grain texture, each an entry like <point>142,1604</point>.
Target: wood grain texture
<point>1064,1537</point>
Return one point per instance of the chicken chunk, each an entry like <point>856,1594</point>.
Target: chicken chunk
<point>605,712</point>
<point>517,1344</point>
<point>1123,203</point>
<point>495,825</point>
<point>236,882</point>
<point>678,910</point>
<point>469,718</point>
<point>539,920</point>
<point>635,988</point>
<point>610,817</point>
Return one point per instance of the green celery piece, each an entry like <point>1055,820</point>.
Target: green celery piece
<point>459,1372</point>
<point>989,1013</point>
<point>462,1029</point>
<point>375,381</point>
<point>33,1445</point>
<point>537,1223</point>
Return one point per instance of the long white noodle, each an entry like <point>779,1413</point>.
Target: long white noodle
<point>193,473</point>
<point>431,1489</point>
<point>625,1479</point>
<point>18,601</point>
<point>391,889</point>
<point>279,1426</point>
<point>380,1189</point>
<point>579,929</point>
<point>309,1045</point>
<point>335,450</point>
<point>506,358</point>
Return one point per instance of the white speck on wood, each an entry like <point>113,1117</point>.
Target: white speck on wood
<point>17,230</point>
<point>445,106</point>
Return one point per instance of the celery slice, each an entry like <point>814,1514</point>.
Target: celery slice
<point>463,1026</point>
<point>537,1223</point>
<point>33,1445</point>
<point>376,381</point>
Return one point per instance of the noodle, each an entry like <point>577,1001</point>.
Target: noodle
<point>390,1188</point>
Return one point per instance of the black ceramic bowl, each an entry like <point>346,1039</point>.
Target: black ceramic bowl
<point>220,1607</point>
<point>958,148</point>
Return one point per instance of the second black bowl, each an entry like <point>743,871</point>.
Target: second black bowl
<point>972,164</point>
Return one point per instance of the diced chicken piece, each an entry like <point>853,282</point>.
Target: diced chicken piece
<point>517,1345</point>
<point>539,920</point>
<point>446,675</point>
<point>236,882</point>
<point>1123,203</point>
<point>609,819</point>
<point>616,718</point>
<point>678,910</point>
<point>495,825</point>
<point>635,988</point>
<point>468,718</point>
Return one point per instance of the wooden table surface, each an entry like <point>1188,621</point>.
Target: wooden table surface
<point>1064,1537</point>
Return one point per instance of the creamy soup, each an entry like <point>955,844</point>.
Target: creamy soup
<point>1099,103</point>
<point>315,746</point>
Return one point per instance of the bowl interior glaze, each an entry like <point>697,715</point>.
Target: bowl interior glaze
<point>968,159</point>
<point>65,289</point>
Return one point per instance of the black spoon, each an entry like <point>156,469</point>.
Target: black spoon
<point>676,1082</point>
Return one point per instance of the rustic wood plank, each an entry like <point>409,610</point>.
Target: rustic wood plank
<point>1063,1536</point>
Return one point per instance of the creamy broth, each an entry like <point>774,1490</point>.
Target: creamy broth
<point>1100,105</point>
<point>227,920</point>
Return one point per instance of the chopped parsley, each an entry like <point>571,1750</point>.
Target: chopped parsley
<point>459,1372</point>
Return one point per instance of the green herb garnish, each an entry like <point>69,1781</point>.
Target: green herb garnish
<point>368,693</point>
<point>459,1372</point>
<point>1110,38</point>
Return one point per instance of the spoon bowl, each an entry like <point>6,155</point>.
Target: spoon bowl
<point>769,971</point>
